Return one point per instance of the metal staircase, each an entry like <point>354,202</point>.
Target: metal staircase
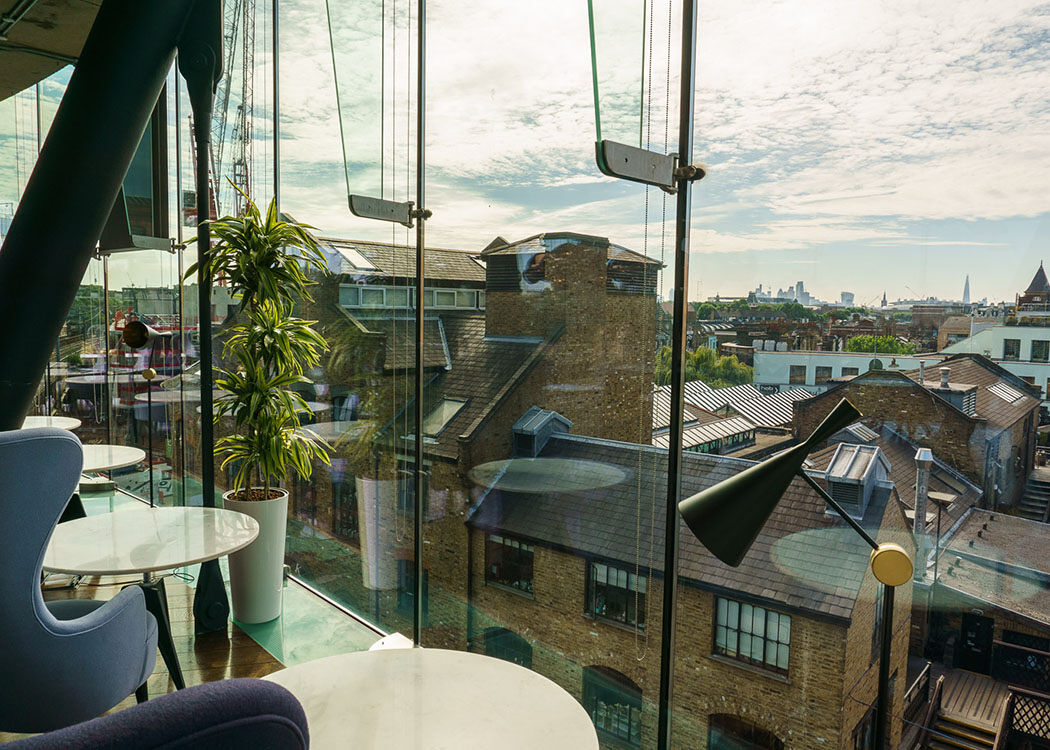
<point>1036,497</point>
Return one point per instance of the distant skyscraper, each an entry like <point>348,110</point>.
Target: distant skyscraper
<point>884,299</point>
<point>966,291</point>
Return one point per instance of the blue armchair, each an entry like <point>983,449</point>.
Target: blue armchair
<point>242,713</point>
<point>63,661</point>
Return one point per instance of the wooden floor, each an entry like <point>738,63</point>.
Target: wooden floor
<point>203,658</point>
<point>972,698</point>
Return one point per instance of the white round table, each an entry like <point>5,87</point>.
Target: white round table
<point>414,698</point>
<point>108,457</point>
<point>334,431</point>
<point>547,475</point>
<point>175,395</point>
<point>63,423</point>
<point>144,541</point>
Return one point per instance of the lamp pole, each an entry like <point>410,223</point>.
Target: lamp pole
<point>882,707</point>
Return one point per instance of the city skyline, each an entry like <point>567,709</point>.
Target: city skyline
<point>898,152</point>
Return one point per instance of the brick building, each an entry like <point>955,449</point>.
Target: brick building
<point>570,579</point>
<point>533,572</point>
<point>972,413</point>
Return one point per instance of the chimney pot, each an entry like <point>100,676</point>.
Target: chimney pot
<point>922,371</point>
<point>945,372</point>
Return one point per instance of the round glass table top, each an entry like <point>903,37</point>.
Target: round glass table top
<point>106,457</point>
<point>422,697</point>
<point>546,475</point>
<point>333,432</point>
<point>64,423</point>
<point>147,539</point>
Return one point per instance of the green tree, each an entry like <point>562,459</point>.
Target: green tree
<point>706,365</point>
<point>880,345</point>
<point>705,311</point>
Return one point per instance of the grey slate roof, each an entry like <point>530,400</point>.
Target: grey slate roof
<point>482,368</point>
<point>986,375</point>
<point>399,341</point>
<point>804,559</point>
<point>399,261</point>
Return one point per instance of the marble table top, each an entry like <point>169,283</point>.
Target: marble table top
<point>106,457</point>
<point>433,698</point>
<point>334,431</point>
<point>547,475</point>
<point>147,539</point>
<point>64,423</point>
<point>99,378</point>
<point>175,395</point>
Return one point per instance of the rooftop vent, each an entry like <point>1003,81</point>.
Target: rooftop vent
<point>534,429</point>
<point>945,372</point>
<point>852,475</point>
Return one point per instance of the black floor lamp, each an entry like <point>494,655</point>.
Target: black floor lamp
<point>727,518</point>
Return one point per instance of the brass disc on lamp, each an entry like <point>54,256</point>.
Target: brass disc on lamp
<point>891,564</point>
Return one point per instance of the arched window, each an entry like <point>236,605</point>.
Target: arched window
<point>508,645</point>
<point>730,732</point>
<point>614,702</point>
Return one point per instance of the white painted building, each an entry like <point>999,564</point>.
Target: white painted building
<point>1021,350</point>
<point>781,371</point>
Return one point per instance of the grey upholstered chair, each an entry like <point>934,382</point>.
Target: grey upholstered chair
<point>224,715</point>
<point>64,661</point>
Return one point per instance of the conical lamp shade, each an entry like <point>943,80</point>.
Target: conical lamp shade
<point>137,334</point>
<point>728,516</point>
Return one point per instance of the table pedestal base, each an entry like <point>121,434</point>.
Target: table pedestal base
<point>211,606</point>
<point>157,605</point>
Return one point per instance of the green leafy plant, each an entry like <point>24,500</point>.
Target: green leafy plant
<point>266,261</point>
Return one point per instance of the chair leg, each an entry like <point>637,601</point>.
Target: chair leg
<point>142,693</point>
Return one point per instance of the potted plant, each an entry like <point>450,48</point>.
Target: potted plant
<point>265,261</point>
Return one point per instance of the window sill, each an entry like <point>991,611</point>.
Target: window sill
<point>783,679</point>
<point>510,590</point>
<point>614,623</point>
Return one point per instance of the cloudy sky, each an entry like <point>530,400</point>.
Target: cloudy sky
<point>855,145</point>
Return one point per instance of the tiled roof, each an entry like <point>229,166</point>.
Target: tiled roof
<point>662,410</point>
<point>986,375</point>
<point>705,433</point>
<point>1039,283</point>
<point>772,410</point>
<point>482,367</point>
<point>804,559</point>
<point>900,455</point>
<point>399,337</point>
<point>719,397</point>
<point>399,261</point>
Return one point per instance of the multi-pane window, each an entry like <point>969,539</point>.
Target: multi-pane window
<point>848,371</point>
<point>1040,351</point>
<point>616,594</point>
<point>1011,348</point>
<point>753,634</point>
<point>507,645</point>
<point>614,703</point>
<point>822,374</point>
<point>864,732</point>
<point>508,562</point>
<point>797,374</point>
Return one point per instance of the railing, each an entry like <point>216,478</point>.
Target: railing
<point>1021,665</point>
<point>1025,721</point>
<point>931,712</point>
<point>918,694</point>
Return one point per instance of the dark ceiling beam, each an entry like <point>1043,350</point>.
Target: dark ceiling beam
<point>13,16</point>
<point>37,52</point>
<point>89,147</point>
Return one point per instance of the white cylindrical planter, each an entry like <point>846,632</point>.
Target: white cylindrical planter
<point>257,571</point>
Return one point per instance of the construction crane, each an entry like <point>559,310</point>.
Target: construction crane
<point>239,42</point>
